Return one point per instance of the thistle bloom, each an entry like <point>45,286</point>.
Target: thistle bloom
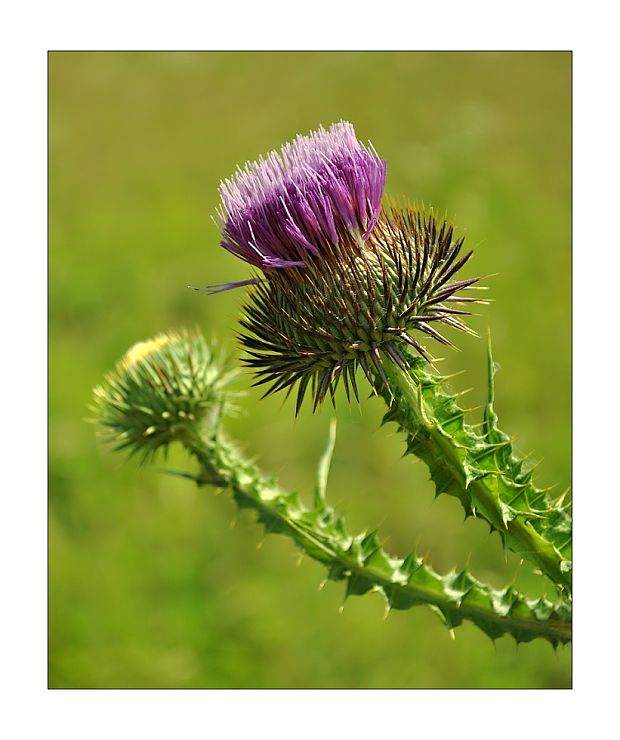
<point>345,283</point>
<point>277,211</point>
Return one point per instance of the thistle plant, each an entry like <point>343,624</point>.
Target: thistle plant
<point>346,288</point>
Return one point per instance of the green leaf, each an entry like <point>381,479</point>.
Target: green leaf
<point>324,464</point>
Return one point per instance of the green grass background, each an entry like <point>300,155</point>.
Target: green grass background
<point>153,583</point>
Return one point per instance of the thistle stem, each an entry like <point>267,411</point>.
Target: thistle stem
<point>449,460</point>
<point>361,562</point>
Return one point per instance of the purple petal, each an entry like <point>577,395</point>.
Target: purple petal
<point>290,203</point>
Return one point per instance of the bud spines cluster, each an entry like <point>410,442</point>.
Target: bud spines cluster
<point>163,390</point>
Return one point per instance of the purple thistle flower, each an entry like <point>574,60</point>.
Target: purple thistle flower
<point>361,280</point>
<point>294,202</point>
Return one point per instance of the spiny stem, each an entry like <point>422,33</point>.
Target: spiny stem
<point>479,470</point>
<point>362,563</point>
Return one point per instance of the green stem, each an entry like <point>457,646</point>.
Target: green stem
<point>361,562</point>
<point>478,469</point>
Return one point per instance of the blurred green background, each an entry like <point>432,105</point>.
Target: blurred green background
<point>154,583</point>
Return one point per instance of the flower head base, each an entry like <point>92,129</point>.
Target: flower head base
<point>295,203</point>
<point>356,306</point>
<point>161,391</point>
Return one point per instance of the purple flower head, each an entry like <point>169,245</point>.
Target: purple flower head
<point>277,210</point>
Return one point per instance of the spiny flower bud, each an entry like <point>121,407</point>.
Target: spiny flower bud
<point>345,283</point>
<point>162,390</point>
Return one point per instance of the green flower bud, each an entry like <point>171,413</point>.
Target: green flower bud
<point>163,390</point>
